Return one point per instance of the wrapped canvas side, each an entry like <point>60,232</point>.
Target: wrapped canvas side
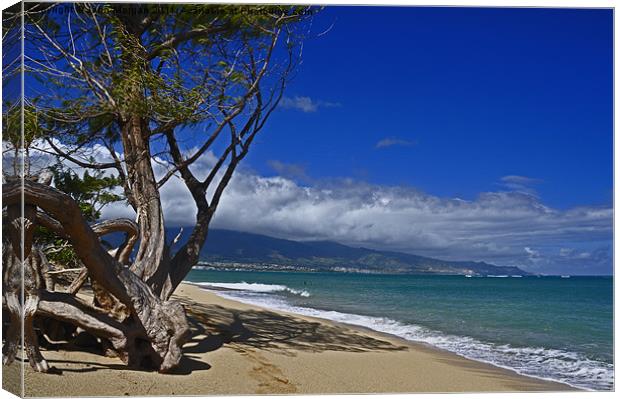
<point>13,216</point>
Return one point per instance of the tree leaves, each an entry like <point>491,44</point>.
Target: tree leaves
<point>91,191</point>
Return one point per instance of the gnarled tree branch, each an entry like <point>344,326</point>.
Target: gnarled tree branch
<point>164,323</point>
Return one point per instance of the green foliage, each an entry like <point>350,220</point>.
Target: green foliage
<point>91,192</point>
<point>58,250</point>
<point>11,125</point>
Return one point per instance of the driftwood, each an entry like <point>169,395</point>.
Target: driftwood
<point>155,329</point>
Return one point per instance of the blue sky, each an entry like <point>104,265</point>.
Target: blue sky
<point>459,133</point>
<point>467,95</point>
<point>456,133</point>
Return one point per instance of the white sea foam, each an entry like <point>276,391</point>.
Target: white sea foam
<point>254,287</point>
<point>550,364</point>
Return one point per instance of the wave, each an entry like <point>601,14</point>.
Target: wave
<point>254,287</point>
<point>550,364</point>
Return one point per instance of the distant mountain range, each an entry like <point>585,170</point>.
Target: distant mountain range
<point>237,250</point>
<point>246,250</point>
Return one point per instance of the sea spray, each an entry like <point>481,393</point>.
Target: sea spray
<point>254,287</point>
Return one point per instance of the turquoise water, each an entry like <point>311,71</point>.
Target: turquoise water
<point>548,327</point>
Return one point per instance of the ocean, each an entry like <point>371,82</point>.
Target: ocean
<point>554,328</point>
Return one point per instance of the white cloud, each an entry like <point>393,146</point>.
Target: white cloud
<point>520,183</point>
<point>306,104</point>
<point>41,157</point>
<point>533,255</point>
<point>393,141</point>
<point>572,253</point>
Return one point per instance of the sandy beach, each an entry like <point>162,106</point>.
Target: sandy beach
<point>242,349</point>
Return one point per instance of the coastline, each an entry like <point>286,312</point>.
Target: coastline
<point>238,348</point>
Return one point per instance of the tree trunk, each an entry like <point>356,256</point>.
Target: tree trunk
<point>189,254</point>
<point>135,137</point>
<point>136,147</point>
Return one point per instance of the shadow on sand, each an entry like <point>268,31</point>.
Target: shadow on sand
<point>214,326</point>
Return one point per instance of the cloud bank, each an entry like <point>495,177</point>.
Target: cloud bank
<point>508,227</point>
<point>505,228</point>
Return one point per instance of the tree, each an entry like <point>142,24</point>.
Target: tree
<point>148,84</point>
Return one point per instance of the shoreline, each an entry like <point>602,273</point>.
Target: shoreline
<point>391,336</point>
<point>239,349</point>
